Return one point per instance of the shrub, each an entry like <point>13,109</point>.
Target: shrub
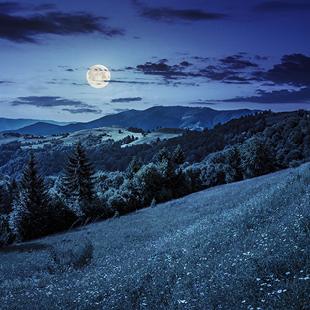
<point>65,258</point>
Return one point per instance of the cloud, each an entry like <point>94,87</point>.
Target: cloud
<point>83,110</point>
<point>294,69</point>
<point>10,7</point>
<point>28,28</point>
<point>13,7</point>
<point>5,82</point>
<point>50,101</point>
<point>162,68</point>
<point>277,96</point>
<point>168,14</point>
<point>282,6</point>
<point>237,62</point>
<point>127,99</point>
<point>235,69</point>
<point>45,7</point>
<point>239,69</point>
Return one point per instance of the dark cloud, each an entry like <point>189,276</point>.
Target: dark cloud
<point>133,82</point>
<point>13,7</point>
<point>282,6</point>
<point>127,99</point>
<point>50,101</point>
<point>277,97</point>
<point>10,7</point>
<point>259,57</point>
<point>235,69</point>
<point>237,62</point>
<point>168,14</point>
<point>6,82</point>
<point>83,110</point>
<point>45,7</point>
<point>28,28</point>
<point>163,69</point>
<point>294,69</point>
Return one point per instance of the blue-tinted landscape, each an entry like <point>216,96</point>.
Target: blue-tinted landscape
<point>154,154</point>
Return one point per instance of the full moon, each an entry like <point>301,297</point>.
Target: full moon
<point>98,76</point>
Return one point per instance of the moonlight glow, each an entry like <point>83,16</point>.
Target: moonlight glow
<point>98,76</point>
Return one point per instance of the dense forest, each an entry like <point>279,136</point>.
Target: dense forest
<point>84,191</point>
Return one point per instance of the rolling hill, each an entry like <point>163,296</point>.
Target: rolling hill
<point>14,124</point>
<point>156,117</point>
<point>238,246</point>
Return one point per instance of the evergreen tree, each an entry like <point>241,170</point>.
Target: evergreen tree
<point>13,192</point>
<point>78,183</point>
<point>133,167</point>
<point>30,215</point>
<point>178,155</point>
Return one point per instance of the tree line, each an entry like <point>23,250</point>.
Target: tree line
<point>34,206</point>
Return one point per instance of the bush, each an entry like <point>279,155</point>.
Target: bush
<point>76,257</point>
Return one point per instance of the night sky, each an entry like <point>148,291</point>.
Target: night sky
<point>219,53</point>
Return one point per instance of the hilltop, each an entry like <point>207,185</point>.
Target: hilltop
<point>194,118</point>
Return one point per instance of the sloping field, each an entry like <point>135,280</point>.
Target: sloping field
<point>238,246</point>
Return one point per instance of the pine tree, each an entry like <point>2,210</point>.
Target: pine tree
<point>162,155</point>
<point>77,183</point>
<point>13,194</point>
<point>133,167</point>
<point>30,215</point>
<point>178,155</point>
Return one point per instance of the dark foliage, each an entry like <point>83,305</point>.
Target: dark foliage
<point>245,148</point>
<point>78,177</point>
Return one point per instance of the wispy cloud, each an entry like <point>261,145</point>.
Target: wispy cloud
<point>126,99</point>
<point>276,97</point>
<point>52,101</point>
<point>21,28</point>
<point>83,110</point>
<point>170,15</point>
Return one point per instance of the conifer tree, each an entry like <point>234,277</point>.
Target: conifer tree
<point>178,155</point>
<point>78,182</point>
<point>13,194</point>
<point>30,215</point>
<point>133,167</point>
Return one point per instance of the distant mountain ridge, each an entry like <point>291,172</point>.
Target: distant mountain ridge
<point>194,118</point>
<point>14,124</point>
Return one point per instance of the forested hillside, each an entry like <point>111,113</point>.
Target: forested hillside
<point>80,192</point>
<point>286,133</point>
